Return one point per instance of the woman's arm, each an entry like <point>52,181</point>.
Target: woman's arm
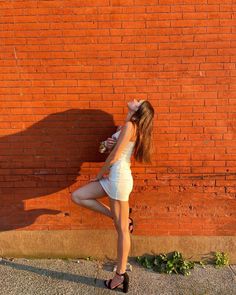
<point>118,128</point>
<point>123,140</point>
<point>109,149</point>
<point>106,165</point>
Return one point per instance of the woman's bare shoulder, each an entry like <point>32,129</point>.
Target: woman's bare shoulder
<point>131,125</point>
<point>134,129</point>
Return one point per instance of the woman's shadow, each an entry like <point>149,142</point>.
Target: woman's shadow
<point>46,158</point>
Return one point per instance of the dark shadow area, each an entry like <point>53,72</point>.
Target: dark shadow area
<point>46,158</point>
<point>59,275</point>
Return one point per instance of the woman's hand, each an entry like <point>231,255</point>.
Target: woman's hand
<point>110,143</point>
<point>96,178</point>
<point>93,179</point>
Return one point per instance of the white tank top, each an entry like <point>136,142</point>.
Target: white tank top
<point>127,151</point>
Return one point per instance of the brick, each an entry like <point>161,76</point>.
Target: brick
<point>68,68</point>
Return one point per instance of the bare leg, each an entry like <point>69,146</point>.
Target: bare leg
<point>86,196</point>
<point>120,210</point>
<point>123,242</point>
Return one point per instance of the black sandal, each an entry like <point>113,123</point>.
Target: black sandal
<point>125,282</point>
<point>132,222</point>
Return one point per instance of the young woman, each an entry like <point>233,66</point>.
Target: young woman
<point>134,137</point>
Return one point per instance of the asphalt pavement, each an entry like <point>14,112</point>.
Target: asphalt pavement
<point>81,276</point>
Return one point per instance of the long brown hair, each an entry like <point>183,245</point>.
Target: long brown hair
<point>143,119</point>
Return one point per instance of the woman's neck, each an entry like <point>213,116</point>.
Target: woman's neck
<point>129,115</point>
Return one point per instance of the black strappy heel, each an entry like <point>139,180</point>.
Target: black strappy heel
<point>125,282</point>
<point>132,222</point>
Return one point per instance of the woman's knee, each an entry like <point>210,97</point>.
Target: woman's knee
<point>91,190</point>
<point>122,227</point>
<point>76,197</point>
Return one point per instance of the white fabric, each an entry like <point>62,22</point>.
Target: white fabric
<point>119,183</point>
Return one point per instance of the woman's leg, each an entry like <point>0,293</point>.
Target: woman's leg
<point>120,211</point>
<point>86,196</point>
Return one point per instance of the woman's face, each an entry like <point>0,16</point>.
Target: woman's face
<point>134,104</point>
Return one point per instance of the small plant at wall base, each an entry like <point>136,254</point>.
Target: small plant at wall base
<point>221,259</point>
<point>166,263</point>
<point>174,262</point>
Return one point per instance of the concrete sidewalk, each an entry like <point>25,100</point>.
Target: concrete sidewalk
<point>80,276</point>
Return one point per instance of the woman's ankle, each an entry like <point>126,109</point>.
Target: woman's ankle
<point>120,271</point>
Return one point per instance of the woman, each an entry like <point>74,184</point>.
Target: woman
<point>135,136</point>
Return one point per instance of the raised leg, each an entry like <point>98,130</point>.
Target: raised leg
<point>86,196</point>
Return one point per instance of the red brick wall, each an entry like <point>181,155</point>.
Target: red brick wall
<point>68,69</point>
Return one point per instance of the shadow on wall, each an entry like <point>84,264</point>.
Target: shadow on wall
<point>46,158</point>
